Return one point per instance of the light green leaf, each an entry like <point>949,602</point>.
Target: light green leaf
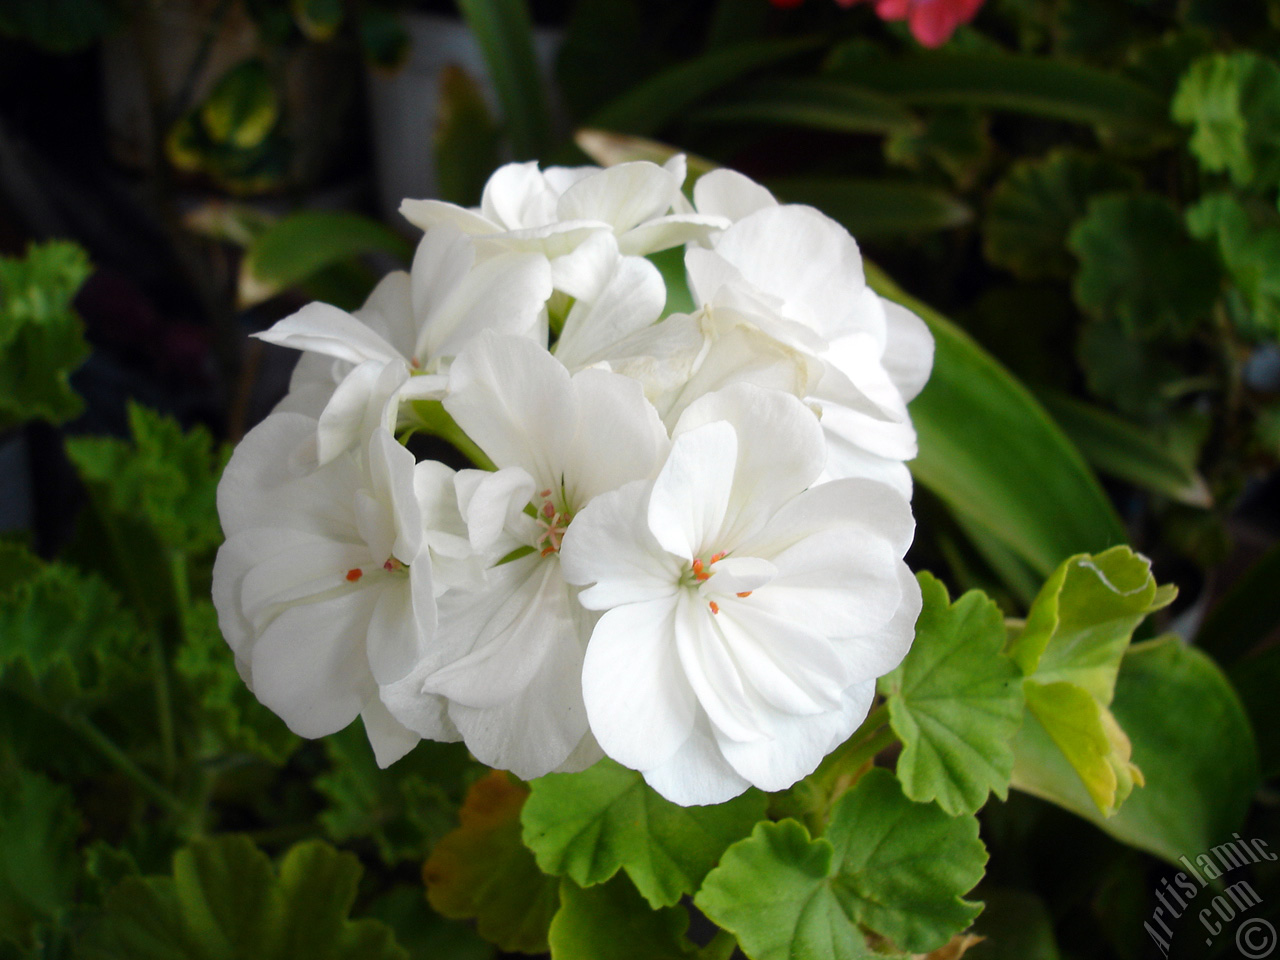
<point>1088,736</point>
<point>820,103</point>
<point>466,138</point>
<point>242,108</point>
<point>1192,740</point>
<point>1232,100</point>
<point>1028,84</point>
<point>41,338</point>
<point>612,922</point>
<point>301,245</point>
<point>1127,452</point>
<point>990,452</point>
<point>955,702</point>
<point>1080,624</point>
<point>482,870</point>
<point>876,207</point>
<point>225,900</point>
<point>1139,265</point>
<point>588,825</point>
<point>505,34</point>
<point>647,107</point>
<point>1249,241</point>
<point>896,867</point>
<point>38,863</point>
<point>1033,208</point>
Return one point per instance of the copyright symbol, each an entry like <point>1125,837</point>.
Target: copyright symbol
<point>1255,938</point>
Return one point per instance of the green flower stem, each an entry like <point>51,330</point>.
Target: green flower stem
<point>430,417</point>
<point>121,761</point>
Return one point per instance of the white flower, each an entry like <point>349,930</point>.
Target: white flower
<point>508,651</point>
<point>554,210</point>
<point>324,586</point>
<point>798,275</point>
<point>358,368</point>
<point>746,615</point>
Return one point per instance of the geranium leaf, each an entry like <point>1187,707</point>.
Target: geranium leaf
<point>1032,209</point>
<point>404,809</point>
<point>955,702</point>
<point>482,870</point>
<point>41,338</point>
<point>1232,102</point>
<point>893,866</point>
<point>1190,736</point>
<point>225,900</point>
<point>38,862</point>
<point>1249,242</point>
<point>587,825</point>
<point>612,922</point>
<point>1081,622</point>
<point>1139,265</point>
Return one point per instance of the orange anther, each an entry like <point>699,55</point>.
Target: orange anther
<point>389,565</point>
<point>719,556</point>
<point>545,493</point>
<point>715,607</point>
<point>547,551</point>
<point>745,593</point>
<point>354,574</point>
<point>697,567</point>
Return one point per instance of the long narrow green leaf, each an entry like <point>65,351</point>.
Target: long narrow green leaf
<point>823,104</point>
<point>505,34</point>
<point>877,208</point>
<point>1120,449</point>
<point>989,450</point>
<point>297,247</point>
<point>1023,84</point>
<point>662,98</point>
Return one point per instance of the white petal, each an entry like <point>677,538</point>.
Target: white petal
<point>391,469</point>
<point>780,451</point>
<point>402,624</point>
<point>609,544</point>
<point>619,437</point>
<point>663,233</point>
<point>518,195</point>
<point>739,575</point>
<point>428,214</point>
<point>490,502</point>
<point>691,493</point>
<point>908,350</point>
<point>325,329</point>
<point>698,773</point>
<point>362,402</point>
<point>505,293</point>
<point>390,740</point>
<point>437,496</point>
<point>622,195</point>
<point>426,714</point>
<point>388,311</point>
<point>727,193</point>
<point>640,705</point>
<point>792,748</point>
<point>629,300</point>
<point>444,257</point>
<point>516,402</point>
<point>868,657</point>
<point>309,665</point>
<point>711,671</point>
<point>583,273</point>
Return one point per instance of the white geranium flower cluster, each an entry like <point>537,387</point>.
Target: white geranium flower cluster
<point>688,555</point>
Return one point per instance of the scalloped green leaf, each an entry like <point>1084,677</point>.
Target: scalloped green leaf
<point>225,900</point>
<point>38,863</point>
<point>1032,209</point>
<point>612,922</point>
<point>41,337</point>
<point>1139,265</point>
<point>588,825</point>
<point>1232,103</point>
<point>955,702</point>
<point>481,870</point>
<point>899,868</point>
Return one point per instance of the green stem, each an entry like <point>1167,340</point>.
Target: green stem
<point>122,762</point>
<point>721,946</point>
<point>866,751</point>
<point>164,706</point>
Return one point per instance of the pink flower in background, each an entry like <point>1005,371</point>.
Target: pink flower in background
<point>932,21</point>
